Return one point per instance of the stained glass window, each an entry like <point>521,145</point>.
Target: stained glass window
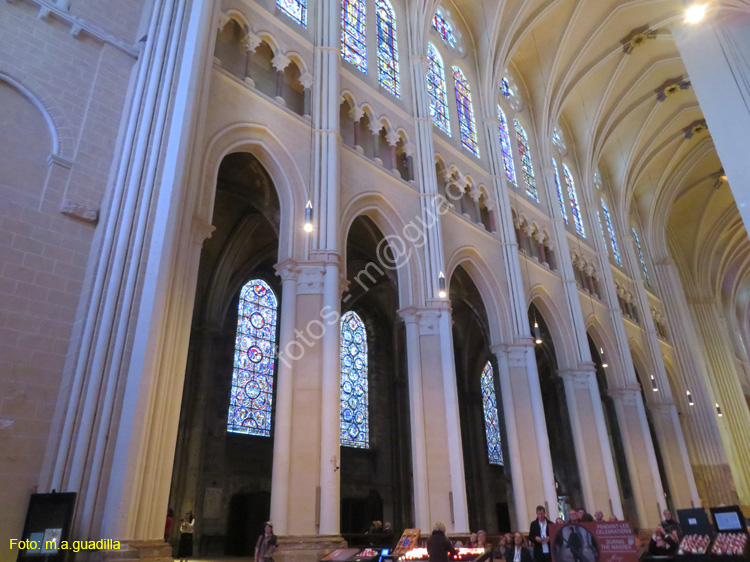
<point>436,90</point>
<point>444,28</point>
<point>491,418</point>
<point>252,378</point>
<point>640,256</point>
<point>387,47</point>
<point>557,139</point>
<point>355,430</point>
<point>353,33</point>
<point>505,88</point>
<point>611,230</point>
<point>466,124</point>
<point>601,226</point>
<point>510,167</point>
<point>573,197</point>
<point>560,198</point>
<point>528,167</point>
<point>295,9</point>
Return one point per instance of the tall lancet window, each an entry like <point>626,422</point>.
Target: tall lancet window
<point>355,415</point>
<point>573,197</point>
<point>436,92</point>
<point>491,417</point>
<point>611,230</point>
<point>295,9</point>
<point>560,198</point>
<point>353,33</point>
<point>528,168</point>
<point>502,132</point>
<point>387,47</point>
<point>640,256</point>
<point>251,399</point>
<point>466,124</point>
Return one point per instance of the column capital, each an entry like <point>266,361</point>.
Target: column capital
<point>306,79</point>
<point>356,113</point>
<point>287,270</point>
<point>579,378</point>
<point>427,318</point>
<point>201,230</point>
<point>626,394</point>
<point>392,137</point>
<point>251,41</point>
<point>516,352</point>
<point>280,62</point>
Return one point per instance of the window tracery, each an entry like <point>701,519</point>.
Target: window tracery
<point>503,133</point>
<point>436,91</point>
<point>466,124</point>
<point>355,431</point>
<point>295,9</point>
<point>354,33</point>
<point>388,75</point>
<point>528,168</point>
<point>491,417</point>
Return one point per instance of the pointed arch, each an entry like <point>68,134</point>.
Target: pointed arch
<point>388,75</point>
<point>528,167</point>
<point>466,124</point>
<point>436,90</point>
<point>354,33</point>
<point>251,399</point>
<point>573,198</point>
<point>355,414</point>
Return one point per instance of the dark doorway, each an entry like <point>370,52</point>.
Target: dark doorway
<point>376,478</point>
<point>488,486</point>
<point>557,418</point>
<point>225,476</point>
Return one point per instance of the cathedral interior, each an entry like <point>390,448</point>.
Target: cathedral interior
<point>331,262</point>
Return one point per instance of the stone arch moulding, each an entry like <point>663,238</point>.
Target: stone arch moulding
<point>616,371</point>
<point>489,286</point>
<point>554,318</point>
<point>282,168</point>
<point>60,133</point>
<point>377,208</point>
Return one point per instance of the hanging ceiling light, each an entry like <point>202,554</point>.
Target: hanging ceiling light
<point>308,217</point>
<point>537,333</point>
<point>442,291</point>
<point>654,386</point>
<point>690,399</point>
<point>604,361</point>
<point>695,13</point>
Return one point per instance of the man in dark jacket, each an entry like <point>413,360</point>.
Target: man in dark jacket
<point>539,535</point>
<point>438,545</point>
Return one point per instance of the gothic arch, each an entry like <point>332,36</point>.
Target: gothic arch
<point>488,285</point>
<point>377,208</point>
<point>558,327</point>
<point>281,167</point>
<point>616,370</point>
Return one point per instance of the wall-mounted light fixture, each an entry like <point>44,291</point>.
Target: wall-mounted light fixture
<point>442,291</point>
<point>690,399</point>
<point>695,13</point>
<point>537,333</point>
<point>654,386</point>
<point>604,361</point>
<point>718,410</point>
<point>308,217</point>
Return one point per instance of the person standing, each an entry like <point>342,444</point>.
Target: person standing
<point>266,545</point>
<point>539,536</point>
<point>168,524</point>
<point>518,552</point>
<point>670,524</point>
<point>438,545</point>
<point>187,526</point>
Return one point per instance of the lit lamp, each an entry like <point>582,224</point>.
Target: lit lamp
<point>537,333</point>
<point>718,411</point>
<point>604,361</point>
<point>442,291</point>
<point>690,399</point>
<point>695,13</point>
<point>308,217</point>
<point>654,387</point>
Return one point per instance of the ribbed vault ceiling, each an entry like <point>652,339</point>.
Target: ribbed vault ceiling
<point>579,66</point>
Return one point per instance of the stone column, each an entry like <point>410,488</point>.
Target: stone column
<point>595,463</point>
<point>280,62</point>
<point>715,56</point>
<point>734,424</point>
<point>375,127</point>
<point>356,113</point>
<point>392,138</point>
<point>250,42</point>
<point>307,81</point>
<point>116,447</point>
<point>661,403</point>
<point>282,436</point>
<point>705,443</point>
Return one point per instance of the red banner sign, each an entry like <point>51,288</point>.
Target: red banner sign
<point>593,542</point>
